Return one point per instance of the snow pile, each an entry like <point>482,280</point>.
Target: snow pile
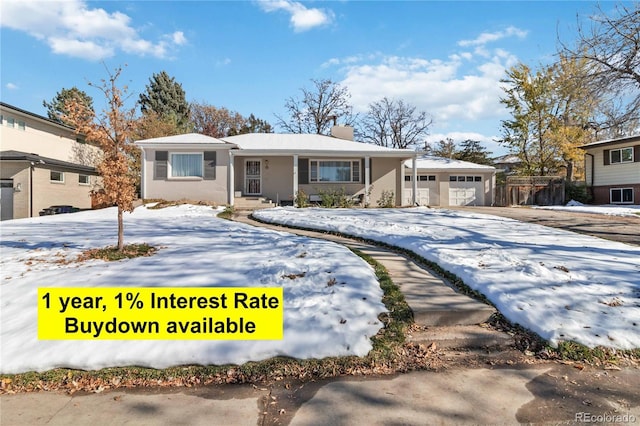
<point>197,250</point>
<point>562,285</point>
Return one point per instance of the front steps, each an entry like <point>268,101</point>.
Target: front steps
<point>252,203</point>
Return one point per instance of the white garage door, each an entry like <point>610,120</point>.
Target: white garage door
<point>466,191</point>
<point>422,197</point>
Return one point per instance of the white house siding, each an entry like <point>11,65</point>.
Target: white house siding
<point>613,174</point>
<point>195,189</point>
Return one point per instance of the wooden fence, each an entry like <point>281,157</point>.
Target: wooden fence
<point>530,190</point>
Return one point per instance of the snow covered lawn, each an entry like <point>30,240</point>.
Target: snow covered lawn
<point>562,285</point>
<point>610,209</point>
<point>197,249</point>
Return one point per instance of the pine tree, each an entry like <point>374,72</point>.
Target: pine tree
<point>56,109</point>
<point>165,98</point>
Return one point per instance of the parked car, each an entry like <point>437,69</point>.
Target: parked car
<point>58,210</point>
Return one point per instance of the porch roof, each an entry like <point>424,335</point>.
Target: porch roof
<point>279,144</point>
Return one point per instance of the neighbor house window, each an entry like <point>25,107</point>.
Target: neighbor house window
<point>21,125</point>
<point>425,178</point>
<point>56,176</point>
<point>84,179</point>
<point>334,171</point>
<point>621,195</point>
<point>11,121</point>
<point>622,155</point>
<point>186,165</point>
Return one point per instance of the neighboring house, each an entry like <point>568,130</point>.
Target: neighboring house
<point>507,164</point>
<point>268,165</point>
<point>613,170</point>
<point>445,182</point>
<point>42,163</point>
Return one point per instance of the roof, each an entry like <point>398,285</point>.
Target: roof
<point>440,163</point>
<point>627,139</point>
<point>44,161</point>
<point>309,144</point>
<point>186,139</point>
<point>36,116</point>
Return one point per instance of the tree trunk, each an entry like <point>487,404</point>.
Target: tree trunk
<point>120,230</point>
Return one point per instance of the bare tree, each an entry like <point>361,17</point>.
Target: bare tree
<point>394,124</point>
<point>320,106</point>
<point>611,46</point>
<point>112,130</point>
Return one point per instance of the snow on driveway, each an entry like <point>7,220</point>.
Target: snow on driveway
<point>198,249</point>
<point>562,285</point>
<point>609,209</point>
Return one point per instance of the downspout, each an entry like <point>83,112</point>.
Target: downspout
<point>31,167</point>
<point>593,172</point>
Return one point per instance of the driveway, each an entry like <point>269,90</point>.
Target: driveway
<point>625,229</point>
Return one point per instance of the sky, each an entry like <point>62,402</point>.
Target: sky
<point>444,57</point>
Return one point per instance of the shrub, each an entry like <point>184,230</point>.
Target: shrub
<point>387,199</point>
<point>577,191</point>
<point>301,199</point>
<point>335,198</point>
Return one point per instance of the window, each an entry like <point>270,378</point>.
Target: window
<point>477,178</point>
<point>425,178</point>
<point>186,165</point>
<point>11,122</point>
<point>622,155</point>
<point>21,125</point>
<point>56,176</point>
<point>469,178</point>
<point>334,171</point>
<point>407,178</point>
<point>621,195</point>
<point>432,178</point>
<point>453,178</point>
<point>84,179</point>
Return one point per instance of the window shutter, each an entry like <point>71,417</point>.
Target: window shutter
<point>606,157</point>
<point>160,165</point>
<point>210,165</point>
<point>303,171</point>
<point>636,154</point>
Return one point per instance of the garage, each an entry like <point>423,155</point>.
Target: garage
<point>466,191</point>
<point>443,182</point>
<point>428,190</point>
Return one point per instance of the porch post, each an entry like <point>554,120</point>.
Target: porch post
<point>367,182</point>
<point>295,179</point>
<point>143,175</point>
<point>414,180</point>
<point>231,184</point>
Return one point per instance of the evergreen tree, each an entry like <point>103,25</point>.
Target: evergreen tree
<point>473,151</point>
<point>166,99</point>
<point>57,109</point>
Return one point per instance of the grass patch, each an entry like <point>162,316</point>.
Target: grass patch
<point>161,204</point>
<point>111,253</point>
<point>227,213</point>
<point>390,354</point>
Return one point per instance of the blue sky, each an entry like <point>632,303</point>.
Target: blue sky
<point>445,57</point>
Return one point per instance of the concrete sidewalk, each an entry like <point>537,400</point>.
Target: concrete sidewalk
<point>532,394</point>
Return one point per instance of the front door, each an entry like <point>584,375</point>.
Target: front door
<point>253,177</point>
<point>6,199</point>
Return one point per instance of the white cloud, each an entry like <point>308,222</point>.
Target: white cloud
<point>223,62</point>
<point>75,29</point>
<point>12,86</point>
<point>302,18</point>
<point>485,38</point>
